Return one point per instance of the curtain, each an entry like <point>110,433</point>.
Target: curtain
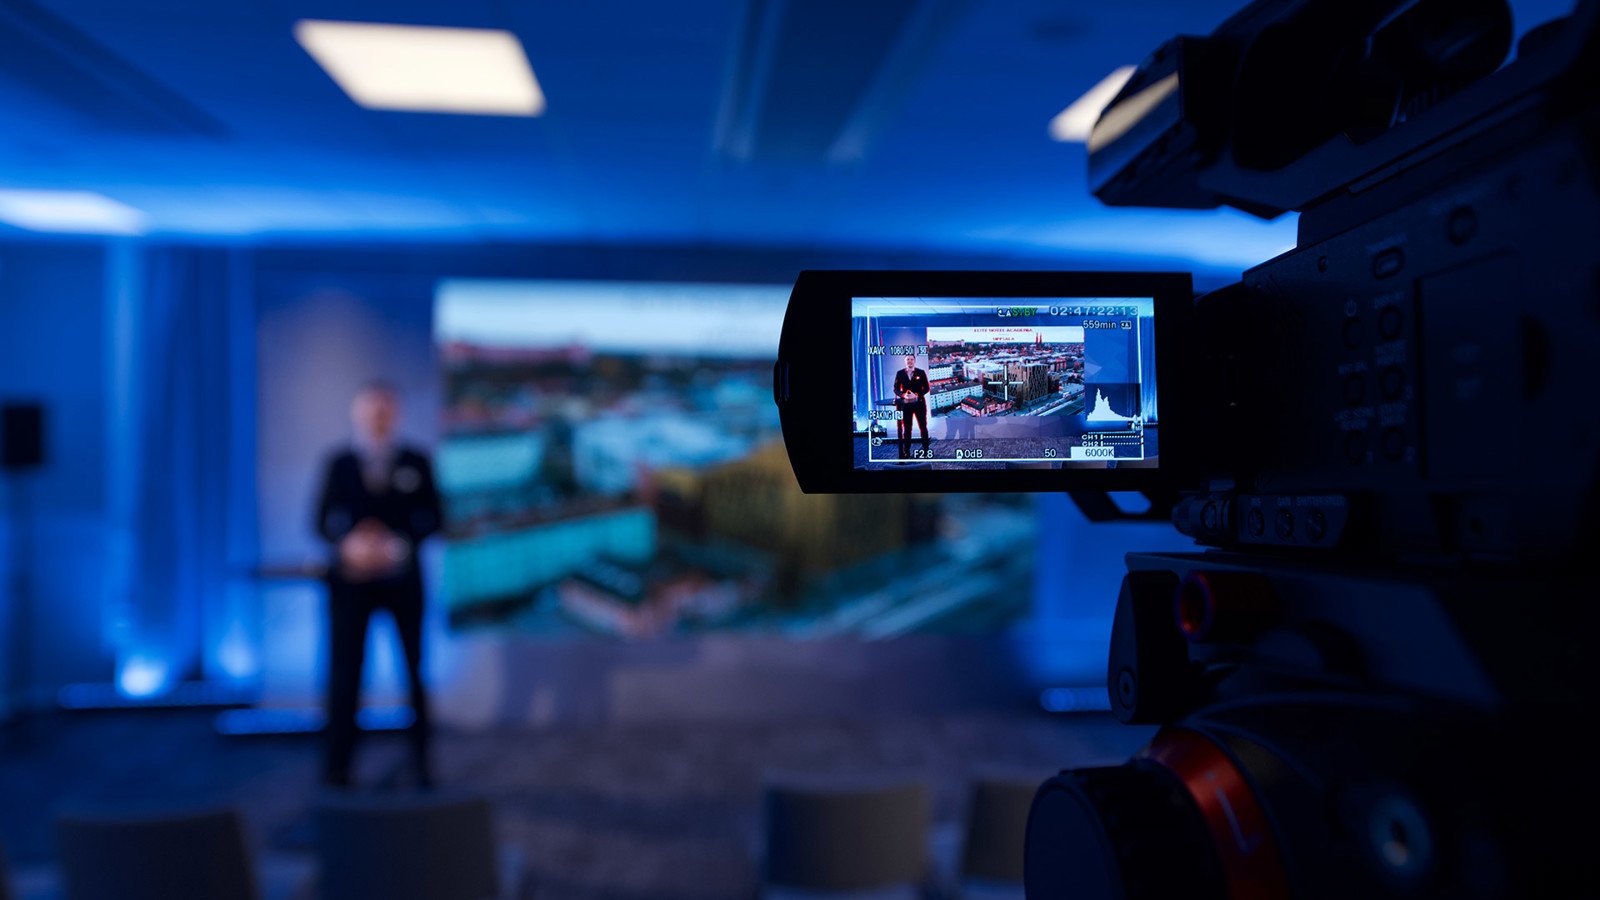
<point>180,446</point>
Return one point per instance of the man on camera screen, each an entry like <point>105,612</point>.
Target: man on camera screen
<point>910,398</point>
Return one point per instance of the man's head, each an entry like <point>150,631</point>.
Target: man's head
<point>911,363</point>
<point>374,412</point>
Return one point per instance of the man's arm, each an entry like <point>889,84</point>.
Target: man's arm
<point>427,515</point>
<point>334,521</point>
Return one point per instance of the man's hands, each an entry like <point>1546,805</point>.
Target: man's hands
<point>371,551</point>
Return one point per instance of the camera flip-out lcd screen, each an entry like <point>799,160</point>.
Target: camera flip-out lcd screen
<point>992,382</point>
<point>984,381</point>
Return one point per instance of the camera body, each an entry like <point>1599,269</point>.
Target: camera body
<point>1386,442</point>
<point>1385,390</point>
<point>1366,687</point>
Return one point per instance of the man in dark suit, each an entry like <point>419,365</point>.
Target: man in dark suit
<point>378,503</point>
<point>910,397</point>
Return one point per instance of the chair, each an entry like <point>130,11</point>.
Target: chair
<point>860,839</point>
<point>997,828</point>
<point>403,847</point>
<point>198,855</point>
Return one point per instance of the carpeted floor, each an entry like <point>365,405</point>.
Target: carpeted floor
<point>619,811</point>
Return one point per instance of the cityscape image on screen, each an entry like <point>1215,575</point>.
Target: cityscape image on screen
<point>612,465</point>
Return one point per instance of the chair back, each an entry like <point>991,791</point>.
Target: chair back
<point>997,827</point>
<point>193,855</point>
<point>407,848</point>
<point>846,837</point>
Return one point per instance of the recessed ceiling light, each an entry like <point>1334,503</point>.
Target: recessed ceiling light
<point>74,212</point>
<point>1074,123</point>
<point>480,71</point>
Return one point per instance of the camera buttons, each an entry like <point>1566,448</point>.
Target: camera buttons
<point>1392,382</point>
<point>1394,444</point>
<point>1355,390</point>
<point>1388,263</point>
<point>1355,447</point>
<point>1389,322</point>
<point>1352,332</point>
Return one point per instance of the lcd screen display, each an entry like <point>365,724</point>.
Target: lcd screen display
<point>996,382</point>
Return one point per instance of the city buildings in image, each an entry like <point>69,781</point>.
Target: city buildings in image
<point>1005,379</point>
<point>639,496</point>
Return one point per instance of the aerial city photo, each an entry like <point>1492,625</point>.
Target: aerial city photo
<point>999,379</point>
<point>609,473</point>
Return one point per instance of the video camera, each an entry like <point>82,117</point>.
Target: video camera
<point>1373,681</point>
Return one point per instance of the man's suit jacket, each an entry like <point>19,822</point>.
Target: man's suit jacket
<point>917,383</point>
<point>408,506</point>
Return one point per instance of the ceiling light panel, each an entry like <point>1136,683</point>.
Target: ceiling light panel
<point>69,212</point>
<point>472,71</point>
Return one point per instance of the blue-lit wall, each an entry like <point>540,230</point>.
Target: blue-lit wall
<point>56,528</point>
<point>326,323</point>
<point>122,551</point>
<point>1078,568</point>
<point>181,427</point>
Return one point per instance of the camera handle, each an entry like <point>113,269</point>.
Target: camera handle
<point>1101,506</point>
